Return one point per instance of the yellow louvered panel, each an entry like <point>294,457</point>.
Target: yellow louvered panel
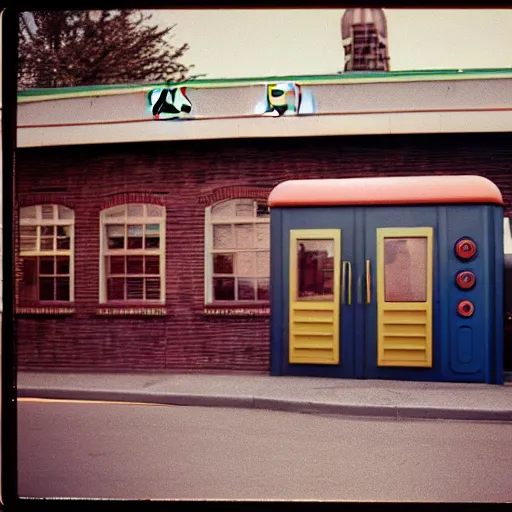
<point>393,316</point>
<point>405,357</point>
<point>313,341</point>
<point>317,328</point>
<point>311,344</point>
<point>402,344</point>
<point>314,322</point>
<point>313,316</point>
<point>396,329</point>
<point>317,349</point>
<point>394,343</point>
<point>404,328</point>
<point>310,359</point>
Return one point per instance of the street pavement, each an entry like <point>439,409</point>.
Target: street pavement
<point>377,398</point>
<point>126,451</point>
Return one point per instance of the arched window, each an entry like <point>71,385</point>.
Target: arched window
<point>133,254</point>
<point>46,253</point>
<point>237,259</point>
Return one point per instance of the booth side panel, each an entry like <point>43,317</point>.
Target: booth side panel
<point>469,336</point>
<point>488,236</point>
<point>277,272</point>
<point>499,317</point>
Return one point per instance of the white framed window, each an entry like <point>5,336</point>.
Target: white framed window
<point>237,255</point>
<point>132,254</point>
<point>47,253</point>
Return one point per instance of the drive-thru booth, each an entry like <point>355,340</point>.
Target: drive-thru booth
<point>388,278</point>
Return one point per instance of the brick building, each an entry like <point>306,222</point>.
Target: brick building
<point>144,244</point>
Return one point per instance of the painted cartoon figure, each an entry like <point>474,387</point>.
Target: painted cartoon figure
<point>285,99</point>
<point>169,103</point>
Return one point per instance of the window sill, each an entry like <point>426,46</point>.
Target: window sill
<point>46,310</point>
<point>242,309</point>
<point>131,311</point>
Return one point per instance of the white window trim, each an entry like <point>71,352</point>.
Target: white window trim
<point>209,250</point>
<point>104,220</point>
<point>39,221</point>
<point>507,235</point>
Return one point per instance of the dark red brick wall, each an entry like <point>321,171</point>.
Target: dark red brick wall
<point>186,177</point>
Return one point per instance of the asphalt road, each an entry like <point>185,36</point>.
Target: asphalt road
<point>163,452</point>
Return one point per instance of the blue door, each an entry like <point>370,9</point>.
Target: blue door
<point>314,324</point>
<point>400,293</point>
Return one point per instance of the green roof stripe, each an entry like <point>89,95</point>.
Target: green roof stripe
<point>391,76</point>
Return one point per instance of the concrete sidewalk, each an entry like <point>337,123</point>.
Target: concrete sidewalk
<point>377,398</point>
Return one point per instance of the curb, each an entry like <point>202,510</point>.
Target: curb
<point>273,404</point>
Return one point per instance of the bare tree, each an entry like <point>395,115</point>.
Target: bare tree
<point>80,48</point>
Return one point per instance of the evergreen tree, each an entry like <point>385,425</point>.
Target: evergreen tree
<point>77,48</point>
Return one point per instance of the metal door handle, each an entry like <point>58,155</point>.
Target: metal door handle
<point>346,264</point>
<point>368,283</point>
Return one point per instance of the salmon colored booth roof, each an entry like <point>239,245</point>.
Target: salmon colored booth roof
<point>388,190</point>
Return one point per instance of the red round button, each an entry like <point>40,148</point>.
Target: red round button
<point>465,249</point>
<point>465,280</point>
<point>465,308</point>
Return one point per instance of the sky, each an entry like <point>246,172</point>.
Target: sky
<point>256,43</point>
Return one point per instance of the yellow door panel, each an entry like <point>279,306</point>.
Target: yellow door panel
<point>314,314</point>
<point>404,296</point>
